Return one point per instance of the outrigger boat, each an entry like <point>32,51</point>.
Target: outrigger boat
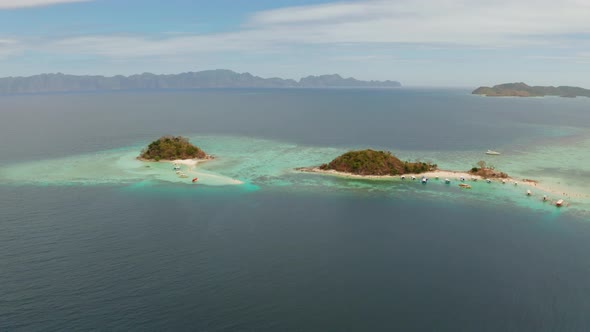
<point>529,193</point>
<point>492,153</point>
<point>464,186</point>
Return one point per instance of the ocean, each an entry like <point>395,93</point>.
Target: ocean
<point>91,238</point>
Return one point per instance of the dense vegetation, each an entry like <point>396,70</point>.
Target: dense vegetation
<point>524,90</point>
<point>487,172</point>
<point>171,148</point>
<point>370,162</point>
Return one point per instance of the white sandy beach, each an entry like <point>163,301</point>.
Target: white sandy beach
<point>558,193</point>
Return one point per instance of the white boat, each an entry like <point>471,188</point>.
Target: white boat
<point>403,177</point>
<point>492,153</point>
<point>559,203</point>
<point>424,180</point>
<point>488,181</point>
<point>447,181</point>
<point>529,193</point>
<point>544,198</point>
<point>413,177</point>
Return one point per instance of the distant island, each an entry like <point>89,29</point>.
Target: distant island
<point>219,78</point>
<point>169,148</point>
<point>524,90</point>
<point>373,163</point>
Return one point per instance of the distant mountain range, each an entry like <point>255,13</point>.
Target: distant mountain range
<point>524,90</point>
<point>219,78</point>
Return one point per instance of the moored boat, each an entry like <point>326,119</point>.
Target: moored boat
<point>492,153</point>
<point>464,186</point>
<point>529,193</point>
<point>559,203</point>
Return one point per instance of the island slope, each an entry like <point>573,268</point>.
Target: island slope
<point>371,162</point>
<point>524,90</point>
<point>168,148</point>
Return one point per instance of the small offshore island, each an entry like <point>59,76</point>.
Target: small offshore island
<point>382,165</point>
<point>374,163</point>
<point>371,164</point>
<point>524,90</point>
<point>172,148</point>
<point>176,150</point>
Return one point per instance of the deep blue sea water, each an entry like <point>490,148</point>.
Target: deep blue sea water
<point>273,257</point>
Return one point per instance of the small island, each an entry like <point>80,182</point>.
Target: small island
<point>371,163</point>
<point>171,148</point>
<point>524,90</point>
<point>382,165</point>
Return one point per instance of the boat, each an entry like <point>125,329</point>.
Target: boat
<point>529,193</point>
<point>503,181</point>
<point>195,180</point>
<point>515,183</point>
<point>488,181</point>
<point>403,177</point>
<point>462,178</point>
<point>413,177</point>
<point>544,198</point>
<point>464,186</point>
<point>447,181</point>
<point>492,153</point>
<point>559,203</point>
<point>424,180</point>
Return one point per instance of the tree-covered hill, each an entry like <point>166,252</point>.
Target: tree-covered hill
<point>172,148</point>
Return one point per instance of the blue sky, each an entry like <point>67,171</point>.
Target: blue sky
<point>418,42</point>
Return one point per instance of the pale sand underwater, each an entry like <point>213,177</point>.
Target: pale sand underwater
<point>273,164</point>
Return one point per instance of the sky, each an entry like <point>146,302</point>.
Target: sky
<point>417,42</point>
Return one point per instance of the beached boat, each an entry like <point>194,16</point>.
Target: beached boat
<point>529,193</point>
<point>413,177</point>
<point>464,186</point>
<point>488,181</point>
<point>492,153</point>
<point>403,177</point>
<point>559,203</point>
<point>544,198</point>
<point>447,181</point>
<point>424,180</point>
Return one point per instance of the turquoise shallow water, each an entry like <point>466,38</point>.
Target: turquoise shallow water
<point>259,164</point>
<point>93,239</point>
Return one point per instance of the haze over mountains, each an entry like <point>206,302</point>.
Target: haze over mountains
<point>219,78</point>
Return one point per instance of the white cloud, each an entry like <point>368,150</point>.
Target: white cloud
<point>11,4</point>
<point>417,23</point>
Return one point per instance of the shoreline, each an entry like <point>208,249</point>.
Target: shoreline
<point>451,175</point>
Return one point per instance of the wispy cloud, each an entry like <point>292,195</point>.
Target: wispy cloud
<point>12,4</point>
<point>443,23</point>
